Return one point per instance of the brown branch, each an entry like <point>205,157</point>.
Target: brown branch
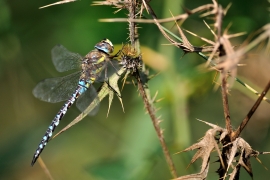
<point>59,2</point>
<point>224,49</point>
<point>133,35</point>
<point>226,104</point>
<point>237,133</point>
<point>151,110</point>
<point>132,25</point>
<point>156,121</point>
<point>44,168</point>
<point>181,17</point>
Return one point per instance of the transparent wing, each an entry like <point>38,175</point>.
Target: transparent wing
<point>64,60</point>
<point>58,89</point>
<point>109,69</point>
<point>90,96</point>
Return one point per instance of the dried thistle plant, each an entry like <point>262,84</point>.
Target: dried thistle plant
<point>224,59</point>
<point>233,151</point>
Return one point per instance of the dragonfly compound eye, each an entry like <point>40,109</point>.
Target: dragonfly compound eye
<point>105,45</point>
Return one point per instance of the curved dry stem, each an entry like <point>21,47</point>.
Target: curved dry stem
<point>151,111</point>
<point>57,3</point>
<point>44,168</point>
<point>181,17</point>
<point>226,105</point>
<point>237,133</point>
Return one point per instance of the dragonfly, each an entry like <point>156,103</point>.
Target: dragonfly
<point>74,87</point>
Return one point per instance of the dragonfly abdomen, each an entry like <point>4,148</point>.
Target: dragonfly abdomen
<point>81,88</point>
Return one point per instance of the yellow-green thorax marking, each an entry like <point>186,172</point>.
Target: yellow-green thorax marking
<point>95,60</point>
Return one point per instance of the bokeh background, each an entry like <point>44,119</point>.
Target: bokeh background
<point>124,145</point>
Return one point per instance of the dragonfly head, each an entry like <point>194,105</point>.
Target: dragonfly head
<point>105,45</point>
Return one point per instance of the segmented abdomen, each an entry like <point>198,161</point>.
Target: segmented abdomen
<point>81,88</point>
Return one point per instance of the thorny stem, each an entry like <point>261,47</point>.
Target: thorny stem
<point>151,111</point>
<point>132,25</point>
<point>226,105</point>
<point>251,112</point>
<point>222,48</point>
<point>164,31</point>
<point>156,121</point>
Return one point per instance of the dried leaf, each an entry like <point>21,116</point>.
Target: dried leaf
<point>235,154</point>
<point>199,176</point>
<point>205,146</point>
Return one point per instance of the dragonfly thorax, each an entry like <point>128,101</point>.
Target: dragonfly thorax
<point>93,63</point>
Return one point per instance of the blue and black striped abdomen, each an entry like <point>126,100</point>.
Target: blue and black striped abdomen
<point>81,88</point>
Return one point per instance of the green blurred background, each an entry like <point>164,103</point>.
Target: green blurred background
<point>124,145</point>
